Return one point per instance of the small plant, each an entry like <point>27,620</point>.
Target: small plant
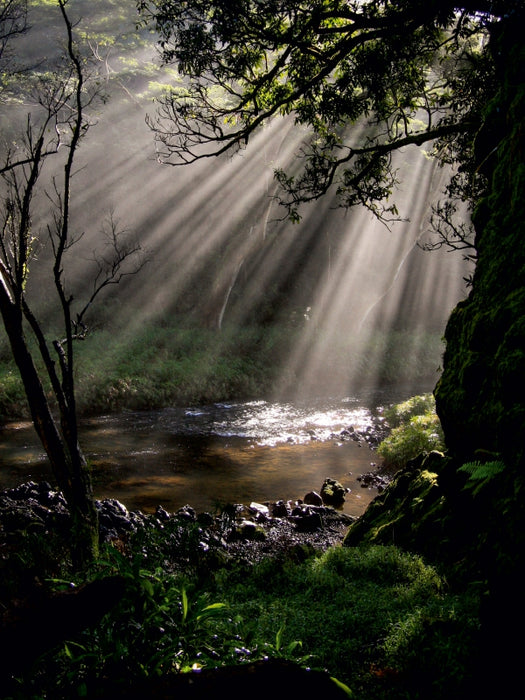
<point>401,413</point>
<point>481,474</point>
<point>417,430</point>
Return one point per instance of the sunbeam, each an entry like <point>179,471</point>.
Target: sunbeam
<point>223,255</point>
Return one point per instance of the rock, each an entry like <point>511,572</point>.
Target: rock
<point>333,493</point>
<point>306,519</point>
<point>161,514</point>
<point>373,480</point>
<point>413,496</point>
<point>114,519</point>
<point>280,509</point>
<point>205,519</point>
<point>261,511</point>
<point>187,513</point>
<point>312,498</point>
<point>248,530</point>
<point>244,532</point>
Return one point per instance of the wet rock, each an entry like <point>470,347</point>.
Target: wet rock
<point>247,533</point>
<point>115,519</point>
<point>248,530</point>
<point>260,511</point>
<point>373,480</point>
<point>280,509</point>
<point>306,518</point>
<point>187,513</point>
<point>161,514</point>
<point>333,493</point>
<point>205,519</point>
<point>312,498</point>
<point>33,506</point>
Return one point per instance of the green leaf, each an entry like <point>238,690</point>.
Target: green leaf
<point>185,605</point>
<point>342,686</point>
<point>480,474</point>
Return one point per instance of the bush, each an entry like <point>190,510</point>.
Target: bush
<point>401,413</point>
<point>416,430</point>
<point>13,402</point>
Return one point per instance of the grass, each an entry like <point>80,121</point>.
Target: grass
<point>174,363</point>
<point>377,619</point>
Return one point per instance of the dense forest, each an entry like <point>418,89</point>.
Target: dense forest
<point>328,103</point>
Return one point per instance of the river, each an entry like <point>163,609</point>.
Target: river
<point>206,456</point>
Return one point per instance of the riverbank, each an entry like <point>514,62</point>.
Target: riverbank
<point>192,592</point>
<point>166,364</point>
<point>248,531</point>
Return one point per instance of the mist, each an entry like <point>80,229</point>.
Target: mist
<point>222,255</point>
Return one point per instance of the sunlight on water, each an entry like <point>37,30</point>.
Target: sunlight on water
<point>203,456</point>
<point>277,423</point>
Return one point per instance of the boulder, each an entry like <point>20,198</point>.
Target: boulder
<point>333,493</point>
<point>312,498</point>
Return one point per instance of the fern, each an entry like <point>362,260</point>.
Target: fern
<point>480,474</point>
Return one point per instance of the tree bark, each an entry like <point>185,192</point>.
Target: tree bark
<point>65,455</point>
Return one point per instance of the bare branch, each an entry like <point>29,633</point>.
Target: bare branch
<point>122,257</point>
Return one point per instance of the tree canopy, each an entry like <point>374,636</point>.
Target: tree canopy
<point>363,79</point>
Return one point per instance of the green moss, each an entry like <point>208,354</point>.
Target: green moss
<point>408,513</point>
<point>479,398</point>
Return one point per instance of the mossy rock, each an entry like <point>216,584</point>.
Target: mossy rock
<point>333,493</point>
<point>411,513</point>
<point>479,398</point>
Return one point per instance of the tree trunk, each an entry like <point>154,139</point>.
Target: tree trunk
<point>67,460</point>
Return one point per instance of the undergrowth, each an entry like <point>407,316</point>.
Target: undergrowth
<point>375,618</point>
<point>415,429</point>
<point>170,363</point>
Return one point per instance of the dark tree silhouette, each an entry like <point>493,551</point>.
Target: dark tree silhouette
<point>54,130</point>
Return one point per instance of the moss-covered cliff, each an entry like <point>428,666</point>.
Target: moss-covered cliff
<point>480,397</point>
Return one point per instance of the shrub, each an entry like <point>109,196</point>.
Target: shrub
<point>417,430</point>
<point>401,413</point>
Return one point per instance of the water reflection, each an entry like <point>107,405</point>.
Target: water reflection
<point>211,455</point>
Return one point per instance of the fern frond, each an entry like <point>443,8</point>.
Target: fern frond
<point>480,474</point>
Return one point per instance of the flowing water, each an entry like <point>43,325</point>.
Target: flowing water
<point>211,455</point>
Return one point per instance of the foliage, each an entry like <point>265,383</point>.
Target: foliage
<point>172,362</point>
<point>481,474</point>
<point>398,73</point>
<point>356,612</point>
<point>401,413</point>
<point>417,430</point>
<point>13,402</point>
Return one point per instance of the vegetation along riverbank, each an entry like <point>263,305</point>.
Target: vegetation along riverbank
<point>176,363</point>
<point>190,592</point>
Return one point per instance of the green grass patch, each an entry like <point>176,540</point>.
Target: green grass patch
<point>377,619</point>
<point>176,363</point>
